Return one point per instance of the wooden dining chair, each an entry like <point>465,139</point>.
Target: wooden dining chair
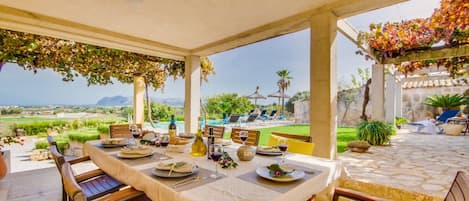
<point>292,136</point>
<point>253,136</point>
<point>218,131</point>
<point>95,181</point>
<point>459,191</point>
<point>121,130</point>
<point>92,190</point>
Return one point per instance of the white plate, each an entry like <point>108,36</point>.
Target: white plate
<point>164,173</point>
<point>269,153</point>
<point>131,156</point>
<point>264,172</point>
<point>113,145</point>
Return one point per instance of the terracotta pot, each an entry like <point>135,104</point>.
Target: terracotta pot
<point>359,149</point>
<point>3,167</point>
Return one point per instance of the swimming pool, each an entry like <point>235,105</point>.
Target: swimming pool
<point>180,124</point>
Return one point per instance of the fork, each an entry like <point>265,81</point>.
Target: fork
<point>196,179</point>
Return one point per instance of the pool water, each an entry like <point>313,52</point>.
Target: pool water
<point>180,125</point>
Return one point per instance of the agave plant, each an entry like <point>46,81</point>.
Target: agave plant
<point>374,132</point>
<point>446,101</point>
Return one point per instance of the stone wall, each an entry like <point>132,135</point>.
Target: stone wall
<point>412,101</point>
<point>412,105</point>
<point>351,118</point>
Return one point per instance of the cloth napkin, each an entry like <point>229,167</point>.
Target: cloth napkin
<point>268,149</point>
<point>113,141</point>
<point>136,150</point>
<point>221,141</point>
<point>180,166</point>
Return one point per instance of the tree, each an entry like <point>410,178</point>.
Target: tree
<point>230,103</point>
<point>299,96</point>
<point>283,84</point>
<point>363,76</point>
<point>159,111</point>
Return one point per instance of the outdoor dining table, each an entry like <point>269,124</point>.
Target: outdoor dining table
<point>240,183</point>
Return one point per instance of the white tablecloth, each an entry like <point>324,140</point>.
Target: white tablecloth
<point>225,189</point>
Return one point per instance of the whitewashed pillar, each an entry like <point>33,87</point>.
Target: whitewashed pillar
<point>323,84</point>
<point>377,92</point>
<point>398,98</point>
<point>139,91</point>
<point>390,99</point>
<point>192,93</point>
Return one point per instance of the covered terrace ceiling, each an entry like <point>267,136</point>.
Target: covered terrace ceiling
<point>175,28</point>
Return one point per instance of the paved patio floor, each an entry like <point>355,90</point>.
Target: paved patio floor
<point>415,162</point>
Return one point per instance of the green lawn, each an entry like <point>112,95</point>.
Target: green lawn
<point>344,134</point>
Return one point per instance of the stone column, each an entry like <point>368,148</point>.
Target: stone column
<point>139,91</point>
<point>323,84</point>
<point>390,99</point>
<point>377,92</point>
<point>398,98</point>
<point>192,93</point>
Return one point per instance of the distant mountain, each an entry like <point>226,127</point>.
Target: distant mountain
<point>114,101</point>
<point>123,101</point>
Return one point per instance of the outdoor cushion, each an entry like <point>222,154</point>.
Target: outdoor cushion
<point>294,146</point>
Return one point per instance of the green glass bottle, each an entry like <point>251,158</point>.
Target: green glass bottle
<point>198,147</point>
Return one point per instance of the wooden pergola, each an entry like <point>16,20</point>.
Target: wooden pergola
<point>386,87</point>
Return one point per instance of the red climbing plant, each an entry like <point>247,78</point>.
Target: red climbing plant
<point>449,23</point>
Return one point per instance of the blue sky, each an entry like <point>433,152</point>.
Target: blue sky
<point>239,70</point>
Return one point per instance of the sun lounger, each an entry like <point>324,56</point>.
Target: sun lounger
<point>431,126</point>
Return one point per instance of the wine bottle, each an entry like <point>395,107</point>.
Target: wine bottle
<point>198,147</point>
<point>210,143</point>
<point>172,128</point>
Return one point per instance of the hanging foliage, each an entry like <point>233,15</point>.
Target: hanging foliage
<point>448,24</point>
<point>96,64</point>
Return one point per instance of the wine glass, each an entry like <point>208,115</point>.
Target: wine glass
<point>243,135</point>
<point>164,141</point>
<point>136,135</point>
<point>283,146</point>
<point>215,156</point>
<point>134,131</point>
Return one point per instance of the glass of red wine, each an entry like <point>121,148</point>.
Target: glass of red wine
<point>215,156</point>
<point>164,141</point>
<point>283,146</point>
<point>243,136</point>
<point>135,132</point>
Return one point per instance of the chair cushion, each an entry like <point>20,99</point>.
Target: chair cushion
<point>294,146</point>
<point>98,186</point>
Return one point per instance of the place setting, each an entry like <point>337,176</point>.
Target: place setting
<point>113,142</point>
<point>181,175</point>
<point>279,176</point>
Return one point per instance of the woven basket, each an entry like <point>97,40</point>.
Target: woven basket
<point>452,129</point>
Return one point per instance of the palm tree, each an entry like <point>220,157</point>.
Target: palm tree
<point>283,84</point>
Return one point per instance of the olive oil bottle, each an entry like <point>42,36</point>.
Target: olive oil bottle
<point>198,147</point>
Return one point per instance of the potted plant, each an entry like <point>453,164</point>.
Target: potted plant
<point>6,140</point>
<point>374,132</point>
<point>447,101</point>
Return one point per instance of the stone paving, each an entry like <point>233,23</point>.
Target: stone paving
<point>415,162</point>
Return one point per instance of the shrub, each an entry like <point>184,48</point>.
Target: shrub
<point>400,121</point>
<point>83,137</point>
<point>42,144</point>
<point>62,143</point>
<point>374,132</point>
<point>38,127</point>
<point>103,129</point>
